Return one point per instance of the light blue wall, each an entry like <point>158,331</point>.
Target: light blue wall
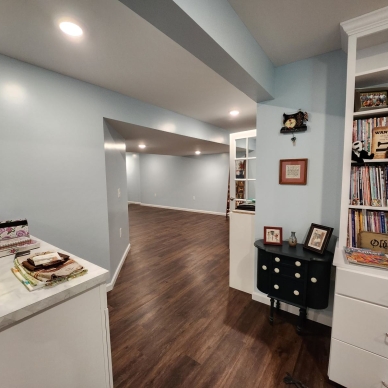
<point>116,178</point>
<point>133,177</point>
<point>316,85</point>
<point>176,179</point>
<point>52,153</point>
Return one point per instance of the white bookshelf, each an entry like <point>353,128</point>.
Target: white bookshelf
<point>359,295</point>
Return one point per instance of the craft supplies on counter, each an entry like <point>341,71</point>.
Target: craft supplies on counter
<point>45,269</point>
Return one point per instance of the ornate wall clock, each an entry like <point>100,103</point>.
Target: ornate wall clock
<point>294,122</point>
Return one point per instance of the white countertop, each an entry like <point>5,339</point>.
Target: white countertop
<point>340,261</point>
<point>17,303</point>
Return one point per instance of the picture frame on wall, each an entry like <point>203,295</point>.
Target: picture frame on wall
<point>293,171</point>
<point>318,238</point>
<point>273,235</point>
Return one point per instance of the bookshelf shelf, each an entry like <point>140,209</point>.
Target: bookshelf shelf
<point>371,77</point>
<point>376,208</point>
<point>370,113</point>
<point>372,161</point>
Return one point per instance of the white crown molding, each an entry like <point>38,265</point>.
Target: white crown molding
<point>362,24</point>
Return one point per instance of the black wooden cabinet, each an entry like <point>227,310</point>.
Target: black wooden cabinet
<point>295,276</point>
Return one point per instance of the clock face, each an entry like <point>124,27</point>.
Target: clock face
<point>290,123</point>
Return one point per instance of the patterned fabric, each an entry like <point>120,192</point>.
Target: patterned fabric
<point>70,267</point>
<point>35,280</point>
<point>13,242</point>
<point>13,229</point>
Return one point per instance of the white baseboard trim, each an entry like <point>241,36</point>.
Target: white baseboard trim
<point>185,210</point>
<point>109,286</point>
<point>320,316</point>
<point>136,203</point>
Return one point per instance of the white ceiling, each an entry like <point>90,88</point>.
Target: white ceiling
<point>163,143</point>
<point>289,31</point>
<point>122,52</point>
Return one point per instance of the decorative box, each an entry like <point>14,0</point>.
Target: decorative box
<point>15,237</point>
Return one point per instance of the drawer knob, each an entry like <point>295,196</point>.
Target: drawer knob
<point>314,280</point>
<point>276,287</point>
<point>296,292</point>
<point>385,384</point>
<point>277,270</point>
<point>277,259</point>
<point>297,275</point>
<point>297,263</point>
<point>264,267</point>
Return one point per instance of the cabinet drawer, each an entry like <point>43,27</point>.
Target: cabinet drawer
<point>353,367</point>
<point>280,260</point>
<point>263,270</point>
<point>362,286</point>
<point>291,291</point>
<point>361,324</point>
<point>290,271</point>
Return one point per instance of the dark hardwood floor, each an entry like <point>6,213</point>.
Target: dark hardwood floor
<point>175,322</point>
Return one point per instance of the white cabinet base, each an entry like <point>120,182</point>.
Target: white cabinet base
<point>353,367</point>
<point>65,346</point>
<point>242,251</point>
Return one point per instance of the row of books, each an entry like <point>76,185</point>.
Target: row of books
<point>365,220</point>
<point>368,185</point>
<point>362,130</point>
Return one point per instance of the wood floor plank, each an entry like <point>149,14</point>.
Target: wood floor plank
<point>176,323</point>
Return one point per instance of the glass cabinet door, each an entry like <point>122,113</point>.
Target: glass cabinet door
<point>243,170</point>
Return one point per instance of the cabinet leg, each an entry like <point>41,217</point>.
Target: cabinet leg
<point>271,311</point>
<point>277,306</point>
<point>301,320</point>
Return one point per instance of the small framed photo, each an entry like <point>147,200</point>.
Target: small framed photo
<point>293,171</point>
<point>318,237</point>
<point>372,98</point>
<point>273,235</point>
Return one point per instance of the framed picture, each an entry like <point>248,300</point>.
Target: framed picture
<point>240,169</point>
<point>318,237</point>
<point>273,235</point>
<point>293,171</point>
<point>372,98</point>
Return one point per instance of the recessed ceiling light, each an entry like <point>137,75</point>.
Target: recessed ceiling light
<point>197,152</point>
<point>142,146</point>
<point>71,29</point>
<point>234,112</point>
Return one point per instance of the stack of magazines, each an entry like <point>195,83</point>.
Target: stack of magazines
<point>45,269</point>
<point>366,257</point>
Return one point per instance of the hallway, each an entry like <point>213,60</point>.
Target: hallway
<point>176,323</point>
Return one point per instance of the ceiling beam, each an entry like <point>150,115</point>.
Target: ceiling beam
<point>245,67</point>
